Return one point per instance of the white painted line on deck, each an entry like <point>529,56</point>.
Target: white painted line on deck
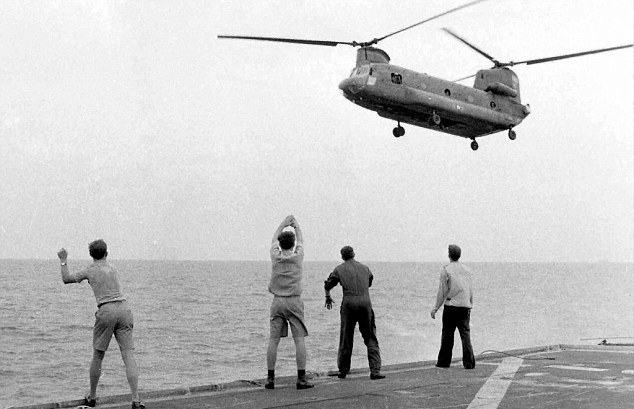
<point>491,393</point>
<point>577,368</point>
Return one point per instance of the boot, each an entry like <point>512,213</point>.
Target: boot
<point>302,383</point>
<point>376,375</point>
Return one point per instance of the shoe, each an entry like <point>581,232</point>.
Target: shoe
<point>442,366</point>
<point>91,403</point>
<point>375,376</point>
<point>469,367</point>
<point>270,383</point>
<point>341,375</point>
<point>304,384</point>
<point>138,405</point>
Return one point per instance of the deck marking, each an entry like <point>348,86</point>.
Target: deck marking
<point>577,368</point>
<point>491,393</point>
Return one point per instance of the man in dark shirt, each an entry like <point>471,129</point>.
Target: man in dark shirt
<point>355,279</point>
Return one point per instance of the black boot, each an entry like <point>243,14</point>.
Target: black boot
<point>270,380</point>
<point>302,382</point>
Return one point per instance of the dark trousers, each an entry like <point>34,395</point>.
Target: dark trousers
<point>452,318</point>
<point>353,310</point>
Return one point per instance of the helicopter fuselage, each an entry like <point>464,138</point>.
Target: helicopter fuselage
<point>422,100</point>
<point>493,104</point>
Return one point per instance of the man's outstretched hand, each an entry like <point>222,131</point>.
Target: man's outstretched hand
<point>329,302</point>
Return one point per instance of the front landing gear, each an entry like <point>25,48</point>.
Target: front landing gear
<point>474,144</point>
<point>398,131</point>
<point>512,134</point>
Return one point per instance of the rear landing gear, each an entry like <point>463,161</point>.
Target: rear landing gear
<point>398,131</point>
<point>474,145</point>
<point>435,118</point>
<point>512,134</point>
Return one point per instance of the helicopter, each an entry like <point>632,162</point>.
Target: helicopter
<point>491,105</point>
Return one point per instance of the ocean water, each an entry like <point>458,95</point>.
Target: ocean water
<point>203,322</point>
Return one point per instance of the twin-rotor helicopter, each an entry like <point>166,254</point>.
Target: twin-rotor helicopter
<point>492,105</point>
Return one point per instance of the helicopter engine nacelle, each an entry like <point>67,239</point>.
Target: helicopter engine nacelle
<point>367,55</point>
<point>500,81</point>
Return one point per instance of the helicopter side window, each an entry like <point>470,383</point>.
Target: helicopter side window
<point>397,78</point>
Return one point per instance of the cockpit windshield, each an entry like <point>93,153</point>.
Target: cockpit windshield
<point>360,71</point>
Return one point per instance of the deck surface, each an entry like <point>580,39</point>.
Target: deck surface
<point>560,376</point>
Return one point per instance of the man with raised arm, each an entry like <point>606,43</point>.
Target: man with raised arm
<point>455,291</point>
<point>113,317</point>
<point>287,256</point>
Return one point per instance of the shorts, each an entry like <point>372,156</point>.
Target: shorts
<point>113,318</point>
<point>285,311</point>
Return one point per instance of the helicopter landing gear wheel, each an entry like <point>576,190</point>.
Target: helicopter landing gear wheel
<point>474,145</point>
<point>398,131</point>
<point>435,118</point>
<point>512,134</point>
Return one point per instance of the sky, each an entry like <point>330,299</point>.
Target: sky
<point>132,122</point>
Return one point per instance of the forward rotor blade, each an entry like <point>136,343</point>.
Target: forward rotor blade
<point>376,40</point>
<point>287,40</point>
<point>476,49</point>
<point>562,57</point>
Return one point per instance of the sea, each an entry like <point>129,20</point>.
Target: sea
<point>206,322</point>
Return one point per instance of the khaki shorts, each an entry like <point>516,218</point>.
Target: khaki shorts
<point>285,311</point>
<point>113,318</point>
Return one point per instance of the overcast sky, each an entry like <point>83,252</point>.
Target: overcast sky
<point>130,121</point>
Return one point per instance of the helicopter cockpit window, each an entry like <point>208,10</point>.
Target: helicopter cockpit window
<point>364,70</point>
<point>397,78</point>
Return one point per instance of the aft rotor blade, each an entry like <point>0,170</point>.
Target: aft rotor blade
<point>562,57</point>
<point>376,40</point>
<point>476,49</point>
<point>465,78</point>
<point>287,40</point>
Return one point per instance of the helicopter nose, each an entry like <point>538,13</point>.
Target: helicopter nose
<point>352,85</point>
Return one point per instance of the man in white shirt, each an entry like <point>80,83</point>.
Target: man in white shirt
<point>455,291</point>
<point>287,309</point>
